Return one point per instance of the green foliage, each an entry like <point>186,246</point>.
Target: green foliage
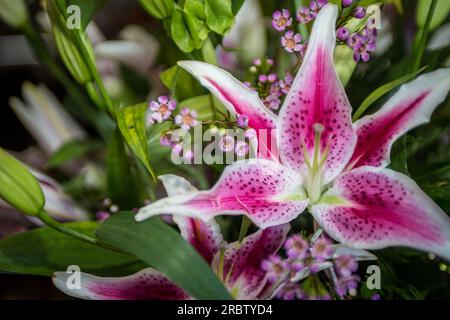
<point>381,91</point>
<point>18,186</point>
<point>43,251</point>
<point>87,8</point>
<point>131,124</point>
<point>13,13</point>
<point>71,151</point>
<point>160,9</point>
<point>161,247</point>
<point>440,14</point>
<point>121,184</point>
<point>219,15</point>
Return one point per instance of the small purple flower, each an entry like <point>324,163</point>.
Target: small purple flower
<point>241,149</point>
<point>162,109</point>
<point>296,247</point>
<point>304,15</point>
<point>286,83</point>
<point>359,13</point>
<point>347,3</point>
<point>290,291</point>
<point>186,119</point>
<point>262,78</point>
<point>275,268</point>
<point>248,85</point>
<point>272,77</point>
<point>272,101</point>
<point>177,148</point>
<point>102,216</point>
<point>345,265</point>
<point>242,120</point>
<point>342,33</point>
<point>375,296</point>
<point>165,141</point>
<point>269,62</point>
<point>281,20</point>
<point>257,62</point>
<point>347,285</point>
<point>226,143</point>
<point>188,156</point>
<point>291,41</point>
<point>322,249</point>
<point>250,134</point>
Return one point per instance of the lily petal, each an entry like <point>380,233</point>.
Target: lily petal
<point>373,208</point>
<point>317,97</point>
<point>238,99</point>
<point>267,192</point>
<point>205,237</point>
<point>411,106</point>
<point>242,261</point>
<point>147,284</point>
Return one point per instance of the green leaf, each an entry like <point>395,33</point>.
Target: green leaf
<point>344,63</point>
<point>194,15</point>
<point>160,9</point>
<point>381,91</point>
<point>163,248</point>
<point>18,186</point>
<point>72,150</point>
<point>43,251</point>
<point>180,32</point>
<point>121,186</point>
<point>440,13</point>
<point>131,124</point>
<point>236,6</point>
<point>87,8</point>
<point>180,83</point>
<point>219,15</point>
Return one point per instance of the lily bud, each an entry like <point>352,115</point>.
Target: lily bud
<point>19,187</point>
<point>13,13</point>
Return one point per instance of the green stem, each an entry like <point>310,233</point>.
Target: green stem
<point>52,223</point>
<point>245,224</point>
<point>424,37</point>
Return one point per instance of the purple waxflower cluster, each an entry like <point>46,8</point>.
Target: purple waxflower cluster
<point>161,110</point>
<point>269,86</point>
<point>294,275</point>
<point>362,42</point>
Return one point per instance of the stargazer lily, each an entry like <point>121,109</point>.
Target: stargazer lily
<point>334,167</point>
<point>238,265</point>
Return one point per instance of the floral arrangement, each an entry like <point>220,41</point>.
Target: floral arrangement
<point>230,149</point>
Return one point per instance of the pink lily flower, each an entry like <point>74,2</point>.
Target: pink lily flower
<point>334,167</point>
<point>238,265</point>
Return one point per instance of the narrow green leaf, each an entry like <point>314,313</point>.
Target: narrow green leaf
<point>121,186</point>
<point>163,248</point>
<point>381,91</point>
<point>131,124</point>
<point>440,13</point>
<point>219,15</point>
<point>18,186</point>
<point>72,150</point>
<point>87,9</point>
<point>43,251</point>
